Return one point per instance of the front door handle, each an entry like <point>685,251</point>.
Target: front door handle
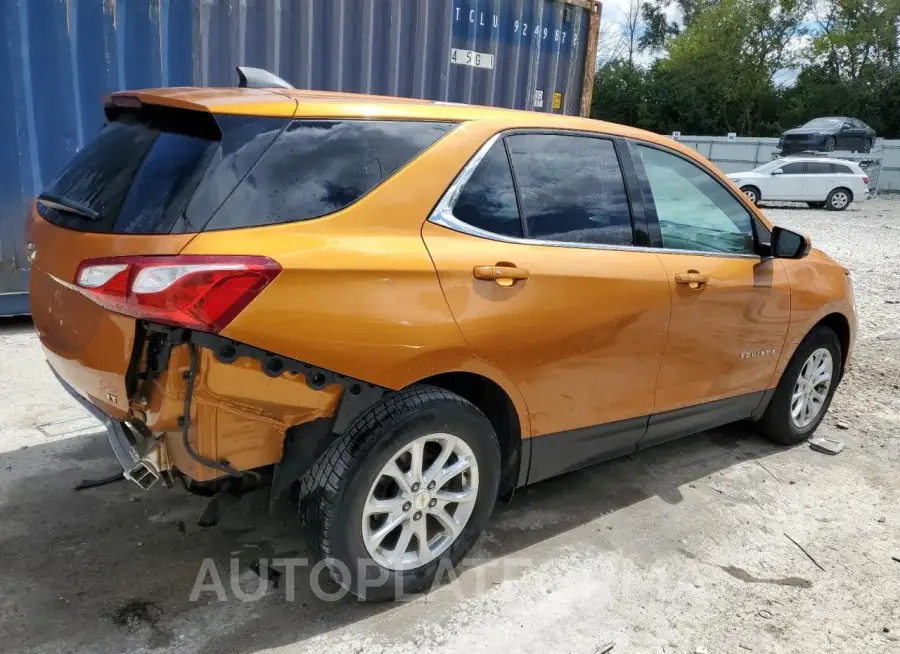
<point>692,278</point>
<point>504,275</point>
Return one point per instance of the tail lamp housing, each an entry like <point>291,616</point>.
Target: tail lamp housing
<point>198,292</point>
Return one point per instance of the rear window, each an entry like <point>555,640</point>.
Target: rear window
<point>160,170</point>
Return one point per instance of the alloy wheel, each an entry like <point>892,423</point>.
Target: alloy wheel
<point>420,502</point>
<point>811,388</point>
<point>840,200</point>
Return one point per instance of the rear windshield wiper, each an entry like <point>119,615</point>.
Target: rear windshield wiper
<point>69,206</point>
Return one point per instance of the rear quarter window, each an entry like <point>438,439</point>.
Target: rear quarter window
<point>488,200</point>
<point>318,167</point>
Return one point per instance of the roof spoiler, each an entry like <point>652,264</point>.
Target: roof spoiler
<point>257,78</point>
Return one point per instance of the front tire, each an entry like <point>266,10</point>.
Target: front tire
<point>838,200</point>
<point>752,194</point>
<point>400,498</point>
<point>805,390</point>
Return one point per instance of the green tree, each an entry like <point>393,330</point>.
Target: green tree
<point>717,66</point>
<point>619,93</point>
<point>730,53</point>
<point>851,67</point>
<point>658,29</point>
<point>856,39</point>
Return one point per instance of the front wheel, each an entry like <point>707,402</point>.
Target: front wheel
<point>838,200</point>
<point>830,143</point>
<point>804,393</point>
<point>752,193</point>
<point>394,504</point>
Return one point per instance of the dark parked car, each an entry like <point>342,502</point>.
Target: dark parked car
<point>828,135</point>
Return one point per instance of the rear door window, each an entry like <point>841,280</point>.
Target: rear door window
<point>571,188</point>
<point>488,199</point>
<point>839,169</point>
<point>318,167</point>
<point>818,168</point>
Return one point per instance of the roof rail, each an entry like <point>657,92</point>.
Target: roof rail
<point>257,78</point>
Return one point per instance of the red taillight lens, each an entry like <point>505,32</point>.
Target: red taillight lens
<point>866,180</point>
<point>196,292</point>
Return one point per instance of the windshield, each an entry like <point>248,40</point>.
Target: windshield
<point>825,122</point>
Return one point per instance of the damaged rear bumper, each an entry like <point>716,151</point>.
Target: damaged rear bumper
<point>246,409</point>
<point>134,453</point>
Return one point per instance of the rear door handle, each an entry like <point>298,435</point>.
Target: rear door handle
<point>502,274</point>
<point>692,278</point>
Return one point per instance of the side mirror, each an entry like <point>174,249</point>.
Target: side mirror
<point>846,126</point>
<point>789,245</point>
<point>778,171</point>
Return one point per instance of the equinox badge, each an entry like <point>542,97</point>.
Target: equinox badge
<point>757,353</point>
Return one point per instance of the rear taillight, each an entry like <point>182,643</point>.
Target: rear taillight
<point>865,180</point>
<point>192,291</point>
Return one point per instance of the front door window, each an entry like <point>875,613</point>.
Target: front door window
<point>695,211</point>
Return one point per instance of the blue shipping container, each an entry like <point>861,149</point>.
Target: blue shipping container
<point>58,58</point>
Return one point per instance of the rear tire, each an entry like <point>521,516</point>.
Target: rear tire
<point>830,144</point>
<point>799,388</point>
<point>752,194</point>
<point>839,199</point>
<point>867,148</point>
<point>349,500</point>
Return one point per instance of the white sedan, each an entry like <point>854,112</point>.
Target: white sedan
<point>829,183</point>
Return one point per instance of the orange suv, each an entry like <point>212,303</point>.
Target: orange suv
<point>391,312</point>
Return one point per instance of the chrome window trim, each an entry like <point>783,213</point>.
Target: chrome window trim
<point>443,216</point>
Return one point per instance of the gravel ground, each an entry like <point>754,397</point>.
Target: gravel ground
<point>684,548</point>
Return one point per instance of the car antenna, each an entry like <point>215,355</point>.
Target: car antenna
<point>257,78</point>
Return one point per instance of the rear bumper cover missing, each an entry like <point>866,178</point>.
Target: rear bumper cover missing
<point>303,442</point>
<point>135,467</point>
